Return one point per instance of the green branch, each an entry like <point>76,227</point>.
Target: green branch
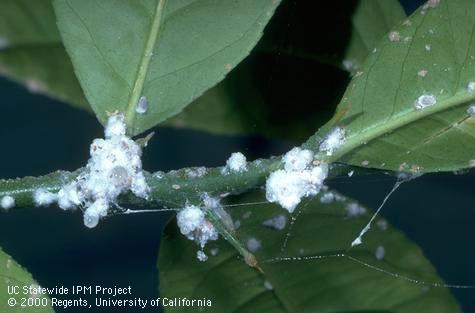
<point>173,189</point>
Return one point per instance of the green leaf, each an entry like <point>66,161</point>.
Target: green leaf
<point>216,111</point>
<point>32,54</point>
<point>371,21</point>
<point>332,284</point>
<point>243,104</point>
<point>12,274</point>
<point>238,106</point>
<point>432,53</point>
<point>170,54</point>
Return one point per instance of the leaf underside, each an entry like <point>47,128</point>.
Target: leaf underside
<point>32,54</point>
<point>193,50</point>
<point>371,21</point>
<point>318,285</point>
<point>12,274</point>
<point>432,53</point>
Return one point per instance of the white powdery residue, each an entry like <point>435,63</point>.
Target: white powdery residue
<point>4,43</point>
<point>297,159</point>
<point>328,197</point>
<point>380,253</point>
<point>210,202</point>
<point>422,73</point>
<point>213,203</point>
<point>268,285</point>
<point>431,4</point>
<point>354,209</point>
<point>196,172</point>
<point>339,198</point>
<point>158,174</point>
<point>288,188</point>
<point>334,139</point>
<point>142,105</point>
<point>471,110</point>
<point>348,65</point>
<point>394,36</point>
<point>253,245</point>
<point>42,197</point>
<point>7,202</point>
<point>471,87</point>
<point>214,251</point>
<point>382,224</point>
<point>236,163</point>
<point>192,223</point>
<point>237,224</point>
<point>425,101</point>
<point>277,222</point>
<point>247,215</point>
<point>201,256</point>
<point>35,86</point>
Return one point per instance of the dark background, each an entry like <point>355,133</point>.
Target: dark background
<point>39,135</point>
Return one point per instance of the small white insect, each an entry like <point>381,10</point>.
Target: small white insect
<point>42,197</point>
<point>142,105</point>
<point>471,110</point>
<point>297,159</point>
<point>328,197</point>
<point>201,256</point>
<point>422,73</point>
<point>425,101</point>
<point>380,253</point>
<point>354,210</point>
<point>268,285</point>
<point>278,222</point>
<point>7,202</point>
<point>394,36</point>
<point>253,245</point>
<point>471,86</point>
<point>348,65</point>
<point>236,163</point>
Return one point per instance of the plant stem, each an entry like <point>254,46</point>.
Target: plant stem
<point>172,190</point>
<point>153,35</point>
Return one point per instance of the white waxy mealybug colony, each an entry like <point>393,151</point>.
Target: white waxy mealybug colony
<point>7,202</point>
<point>115,167</point>
<point>334,139</point>
<point>299,179</point>
<point>236,163</point>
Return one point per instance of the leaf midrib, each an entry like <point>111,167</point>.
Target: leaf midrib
<point>152,37</point>
<point>384,127</point>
